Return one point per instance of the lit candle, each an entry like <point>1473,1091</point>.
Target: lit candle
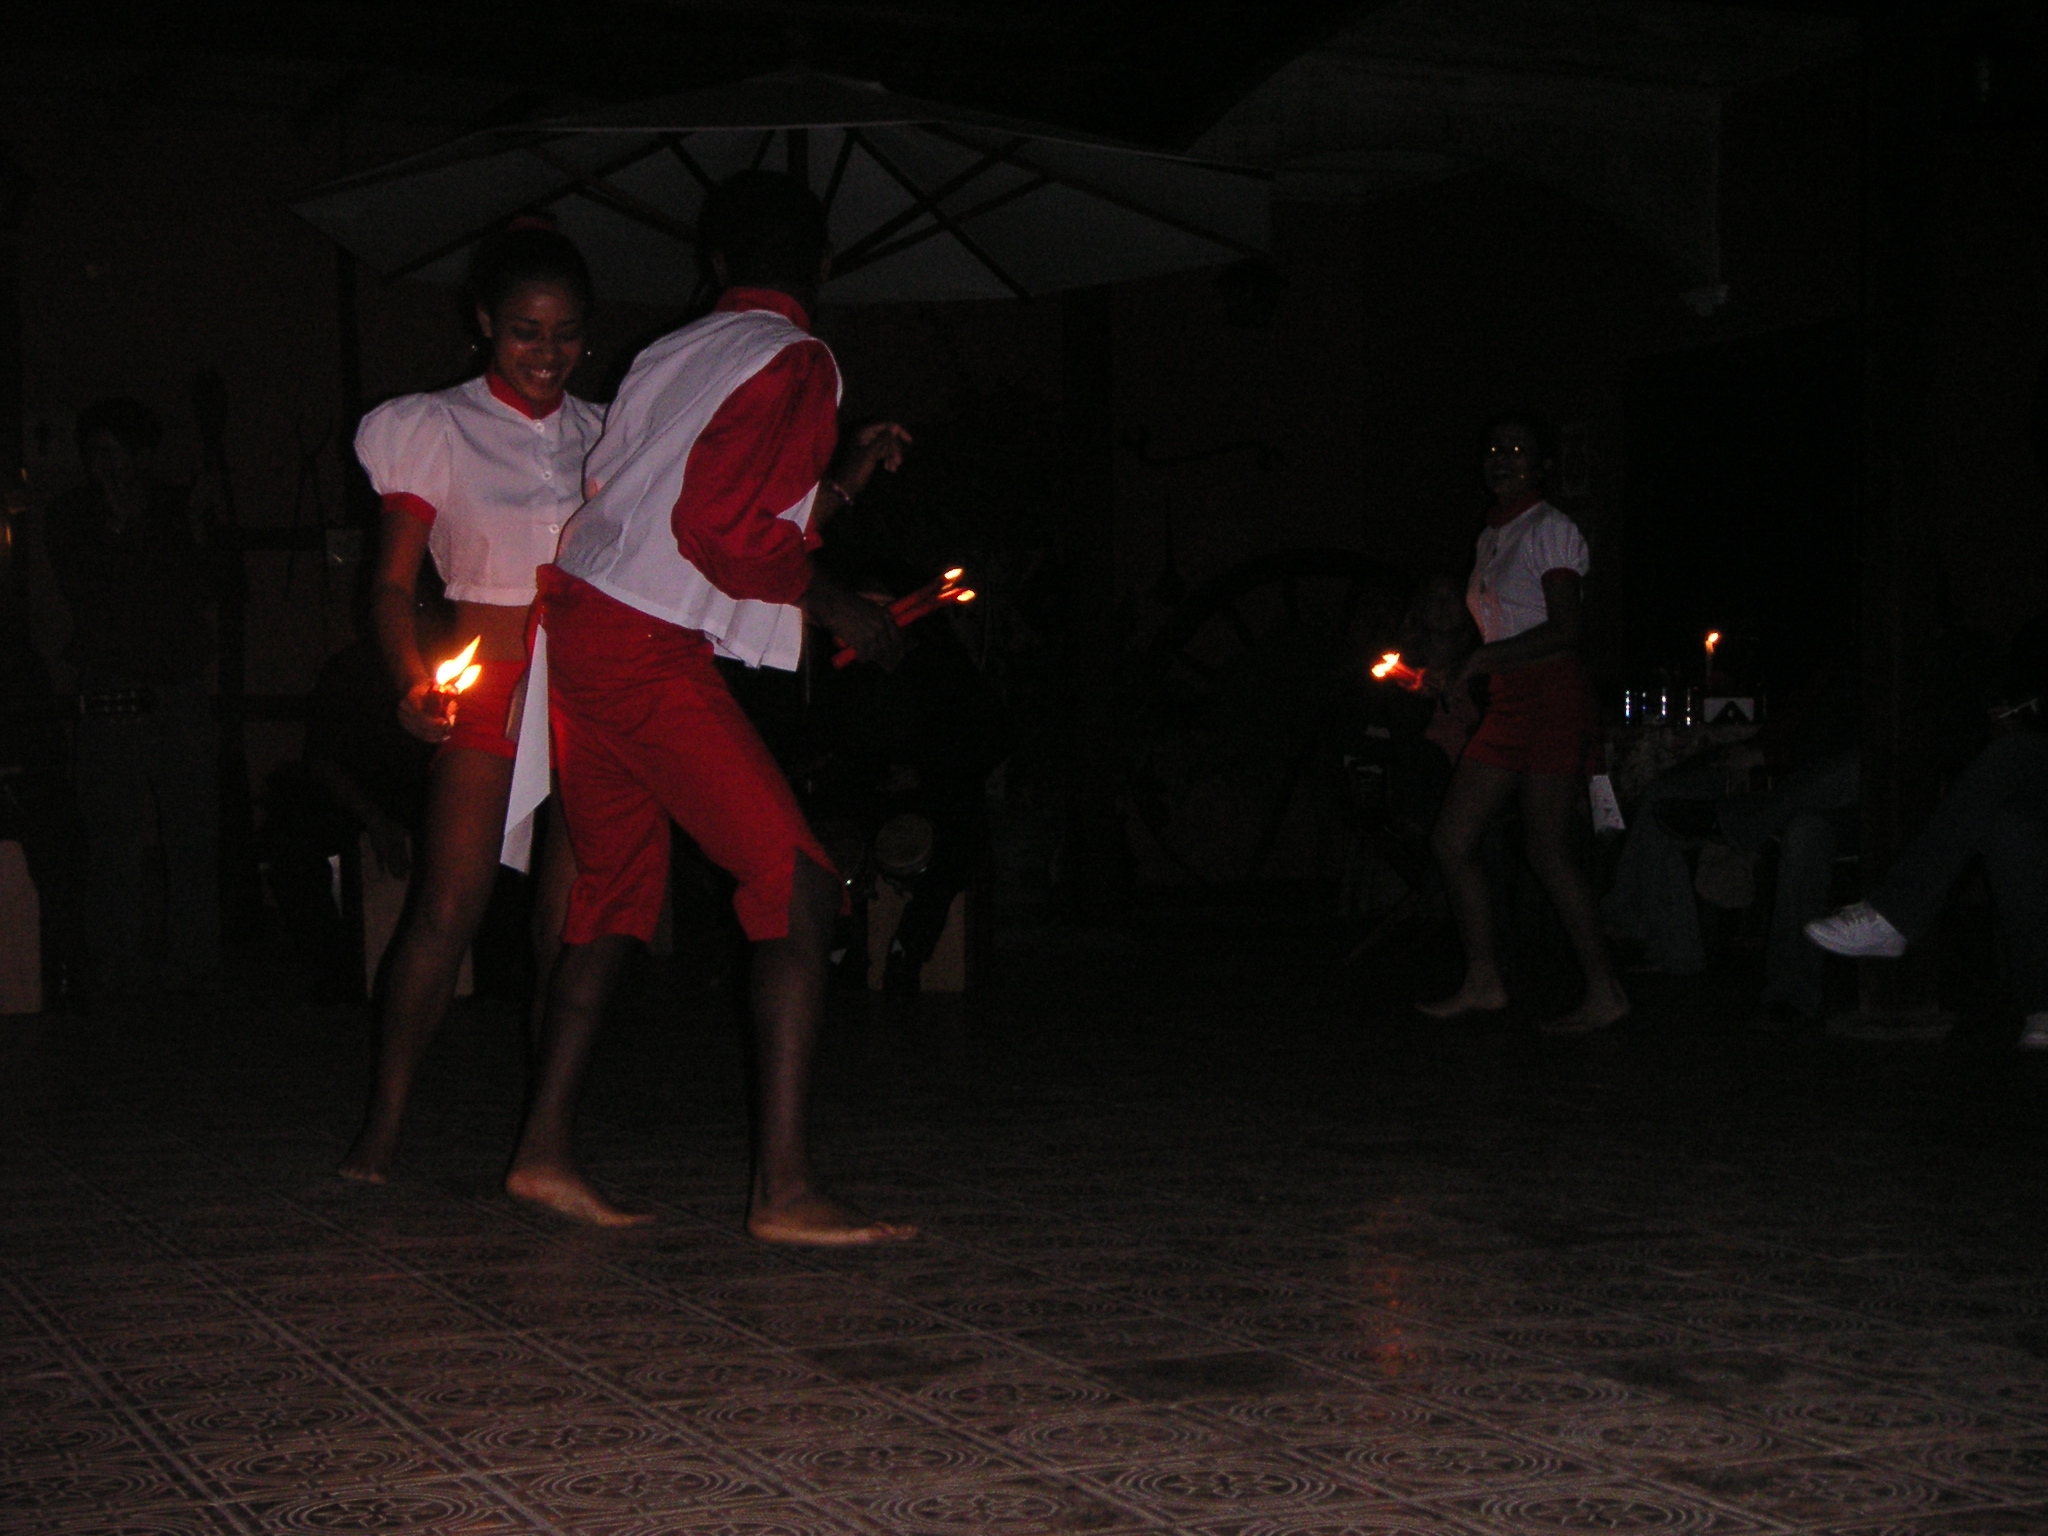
<point>1390,668</point>
<point>457,675</point>
<point>912,606</point>
<point>1713,639</point>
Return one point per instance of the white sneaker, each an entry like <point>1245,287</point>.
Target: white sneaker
<point>1859,931</point>
<point>2035,1036</point>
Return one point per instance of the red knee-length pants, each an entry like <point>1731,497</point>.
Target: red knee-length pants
<point>646,731</point>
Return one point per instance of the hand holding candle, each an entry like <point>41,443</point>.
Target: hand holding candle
<point>912,606</point>
<point>1391,669</point>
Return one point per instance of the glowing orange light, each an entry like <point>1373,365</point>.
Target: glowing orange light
<point>912,606</point>
<point>460,672</point>
<point>1390,668</point>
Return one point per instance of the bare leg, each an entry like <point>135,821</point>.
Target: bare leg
<point>457,866</point>
<point>785,1204</point>
<point>1550,801</point>
<point>544,1170</point>
<point>1477,793</point>
<point>554,872</point>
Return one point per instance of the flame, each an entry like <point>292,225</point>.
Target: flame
<point>1387,663</point>
<point>963,595</point>
<point>458,673</point>
<point>1713,639</point>
<point>954,574</point>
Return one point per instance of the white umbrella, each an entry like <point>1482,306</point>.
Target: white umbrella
<point>925,201</point>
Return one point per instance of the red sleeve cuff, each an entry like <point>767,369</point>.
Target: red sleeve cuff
<point>409,505</point>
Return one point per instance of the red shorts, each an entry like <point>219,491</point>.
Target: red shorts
<point>645,732</point>
<point>1541,718</point>
<point>483,715</point>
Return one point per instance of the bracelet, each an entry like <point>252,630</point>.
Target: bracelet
<point>845,496</point>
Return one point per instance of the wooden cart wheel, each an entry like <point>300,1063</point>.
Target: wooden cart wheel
<point>1248,692</point>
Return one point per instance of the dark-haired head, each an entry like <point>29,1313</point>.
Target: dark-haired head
<point>1517,453</point>
<point>761,229</point>
<point>529,252</point>
<point>1535,429</point>
<point>532,295</point>
<point>128,422</point>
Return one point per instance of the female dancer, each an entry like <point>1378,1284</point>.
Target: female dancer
<point>482,476</point>
<point>1540,733</point>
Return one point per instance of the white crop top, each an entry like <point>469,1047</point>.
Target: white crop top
<point>496,484</point>
<point>1506,590</point>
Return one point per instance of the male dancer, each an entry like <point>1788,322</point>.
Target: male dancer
<point>706,493</point>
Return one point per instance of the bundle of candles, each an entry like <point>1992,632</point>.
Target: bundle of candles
<point>456,676</point>
<point>912,606</point>
<point>1390,668</point>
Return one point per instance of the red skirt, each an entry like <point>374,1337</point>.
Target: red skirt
<point>1541,718</point>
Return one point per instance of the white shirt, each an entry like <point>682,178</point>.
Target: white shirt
<point>623,543</point>
<point>497,484</point>
<point>1505,593</point>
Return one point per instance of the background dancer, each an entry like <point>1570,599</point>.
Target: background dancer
<point>716,470</point>
<point>484,477</point>
<point>1539,736</point>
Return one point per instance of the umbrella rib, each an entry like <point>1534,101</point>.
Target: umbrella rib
<point>471,236</point>
<point>889,226</point>
<point>1091,189</point>
<point>605,195</point>
<point>838,169</point>
<point>945,220</point>
<point>674,141</point>
<point>889,248</point>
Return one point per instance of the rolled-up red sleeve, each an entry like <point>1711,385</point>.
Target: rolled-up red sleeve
<point>761,455</point>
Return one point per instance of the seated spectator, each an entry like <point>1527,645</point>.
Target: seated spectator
<point>1996,810</point>
<point>1810,749</point>
<point>910,749</point>
<point>362,773</point>
<point>39,810</point>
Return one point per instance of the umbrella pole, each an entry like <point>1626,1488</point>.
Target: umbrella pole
<point>1097,867</point>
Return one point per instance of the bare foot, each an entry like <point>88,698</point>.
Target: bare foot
<point>1468,999</point>
<point>568,1193</point>
<point>814,1221</point>
<point>369,1160</point>
<point>1602,1009</point>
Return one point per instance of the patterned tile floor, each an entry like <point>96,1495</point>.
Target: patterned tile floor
<point>1220,1242</point>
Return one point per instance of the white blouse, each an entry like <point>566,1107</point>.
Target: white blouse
<point>497,484</point>
<point>1506,590</point>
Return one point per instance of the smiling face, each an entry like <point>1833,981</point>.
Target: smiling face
<point>1514,463</point>
<point>536,339</point>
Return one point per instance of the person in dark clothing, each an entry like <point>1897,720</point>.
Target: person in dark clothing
<point>905,756</point>
<point>362,773</point>
<point>131,558</point>
<point>39,810</point>
<point>1810,750</point>
<point>1997,811</point>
